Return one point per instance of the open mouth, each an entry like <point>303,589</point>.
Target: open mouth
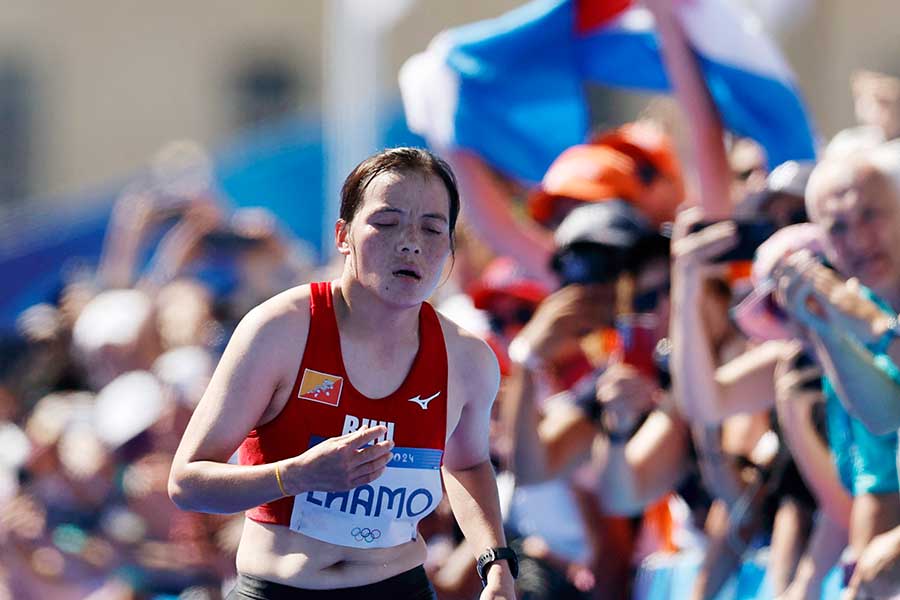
<point>407,273</point>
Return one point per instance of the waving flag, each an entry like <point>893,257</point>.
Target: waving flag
<point>512,88</point>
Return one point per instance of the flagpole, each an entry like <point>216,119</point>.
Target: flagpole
<point>353,65</point>
<point>349,104</point>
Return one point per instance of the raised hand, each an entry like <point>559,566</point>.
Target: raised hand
<point>625,394</point>
<point>821,300</point>
<point>567,315</point>
<point>693,252</point>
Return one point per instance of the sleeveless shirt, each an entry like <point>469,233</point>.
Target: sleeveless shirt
<point>324,404</point>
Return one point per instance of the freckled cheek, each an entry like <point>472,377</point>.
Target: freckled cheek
<point>437,256</point>
<point>373,253</point>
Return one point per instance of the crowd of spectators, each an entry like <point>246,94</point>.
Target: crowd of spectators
<point>97,387</point>
<point>674,382</point>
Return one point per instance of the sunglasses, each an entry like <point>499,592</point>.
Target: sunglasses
<point>648,301</point>
<point>588,263</point>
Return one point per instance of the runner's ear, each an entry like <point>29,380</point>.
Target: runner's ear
<point>342,236</point>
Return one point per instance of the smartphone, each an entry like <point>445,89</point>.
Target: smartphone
<point>751,233</point>
<point>803,361</point>
<point>637,337</point>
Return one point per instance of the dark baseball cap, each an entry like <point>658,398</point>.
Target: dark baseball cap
<point>597,241</point>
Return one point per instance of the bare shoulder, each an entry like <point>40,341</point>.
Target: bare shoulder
<point>279,323</point>
<point>471,362</point>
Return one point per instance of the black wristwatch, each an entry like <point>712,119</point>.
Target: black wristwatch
<point>492,555</point>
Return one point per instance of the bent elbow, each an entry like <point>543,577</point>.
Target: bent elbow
<point>176,489</point>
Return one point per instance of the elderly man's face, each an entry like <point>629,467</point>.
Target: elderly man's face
<point>861,220</point>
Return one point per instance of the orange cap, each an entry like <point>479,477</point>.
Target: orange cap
<point>613,165</point>
<point>588,173</point>
<point>646,139</point>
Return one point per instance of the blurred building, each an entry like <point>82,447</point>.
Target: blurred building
<point>90,89</point>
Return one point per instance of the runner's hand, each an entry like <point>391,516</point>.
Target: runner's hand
<point>500,584</point>
<point>338,463</point>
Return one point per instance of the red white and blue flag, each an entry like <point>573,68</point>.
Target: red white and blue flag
<point>512,88</point>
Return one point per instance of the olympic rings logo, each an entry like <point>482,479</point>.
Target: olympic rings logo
<point>364,533</point>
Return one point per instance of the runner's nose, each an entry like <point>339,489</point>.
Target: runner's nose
<point>409,243</point>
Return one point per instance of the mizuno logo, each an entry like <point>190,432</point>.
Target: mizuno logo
<point>423,402</point>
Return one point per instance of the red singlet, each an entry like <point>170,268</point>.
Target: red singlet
<point>325,404</point>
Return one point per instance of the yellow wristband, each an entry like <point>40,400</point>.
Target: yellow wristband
<point>278,479</point>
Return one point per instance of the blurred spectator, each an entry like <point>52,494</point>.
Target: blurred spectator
<point>747,160</point>
<point>782,200</point>
<point>510,299</point>
<point>746,384</point>
<point>115,332</point>
<point>856,201</point>
<point>598,245</point>
<point>635,163</point>
<point>876,98</point>
<point>857,204</point>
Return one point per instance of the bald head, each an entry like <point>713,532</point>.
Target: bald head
<point>856,201</point>
<point>879,165</point>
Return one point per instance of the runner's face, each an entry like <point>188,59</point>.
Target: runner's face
<point>399,240</point>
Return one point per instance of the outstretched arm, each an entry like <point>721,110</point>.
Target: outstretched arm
<point>847,328</point>
<point>703,120</point>
<point>826,543</point>
<point>489,210</point>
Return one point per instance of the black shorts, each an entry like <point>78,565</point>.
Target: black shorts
<point>411,585</point>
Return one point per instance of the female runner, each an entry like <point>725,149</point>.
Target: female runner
<point>341,456</point>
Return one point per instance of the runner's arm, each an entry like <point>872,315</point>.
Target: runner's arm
<point>468,473</point>
<point>249,376</point>
<point>238,394</point>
